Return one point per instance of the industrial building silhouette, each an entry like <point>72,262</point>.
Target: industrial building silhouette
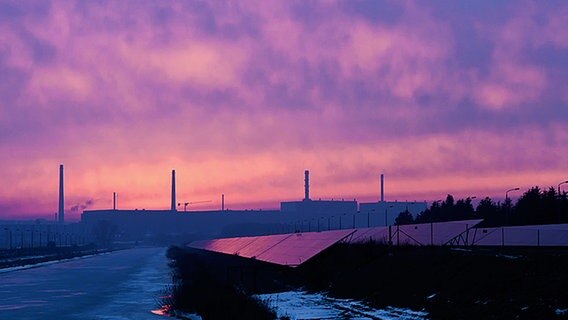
<point>304,215</point>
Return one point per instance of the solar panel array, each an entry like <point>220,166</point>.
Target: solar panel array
<point>296,248</point>
<point>283,249</point>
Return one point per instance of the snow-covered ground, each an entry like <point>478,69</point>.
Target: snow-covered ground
<point>304,305</point>
<point>120,285</point>
<point>46,263</point>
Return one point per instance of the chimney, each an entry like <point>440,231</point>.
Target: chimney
<point>173,190</point>
<point>382,187</point>
<point>61,210</point>
<point>223,202</point>
<point>306,185</point>
<point>114,201</point>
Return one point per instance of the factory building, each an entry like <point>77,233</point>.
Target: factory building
<point>128,225</point>
<point>303,215</point>
<point>131,225</point>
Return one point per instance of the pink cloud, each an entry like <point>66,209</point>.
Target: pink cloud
<point>241,98</point>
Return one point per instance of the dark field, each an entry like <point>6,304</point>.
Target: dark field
<point>448,283</point>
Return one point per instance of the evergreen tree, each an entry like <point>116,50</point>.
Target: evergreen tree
<point>535,206</point>
<point>490,212</point>
<point>404,217</point>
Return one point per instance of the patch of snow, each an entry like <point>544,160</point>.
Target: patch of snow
<point>46,263</point>
<point>25,257</point>
<point>508,256</point>
<point>303,305</point>
<point>187,316</point>
<point>561,312</point>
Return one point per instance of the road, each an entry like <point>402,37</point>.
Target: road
<point>120,285</point>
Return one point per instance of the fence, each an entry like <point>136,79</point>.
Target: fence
<point>439,233</point>
<point>19,236</point>
<point>464,233</point>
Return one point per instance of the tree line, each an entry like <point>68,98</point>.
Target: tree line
<point>535,206</point>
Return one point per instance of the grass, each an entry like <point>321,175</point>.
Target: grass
<point>197,290</point>
<point>482,283</point>
<point>448,283</point>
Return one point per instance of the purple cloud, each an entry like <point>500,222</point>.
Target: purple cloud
<point>469,87</point>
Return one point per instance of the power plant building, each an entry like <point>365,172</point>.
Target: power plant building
<point>307,215</point>
<point>303,215</point>
<point>319,207</point>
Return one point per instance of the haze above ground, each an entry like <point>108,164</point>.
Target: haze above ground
<point>460,97</point>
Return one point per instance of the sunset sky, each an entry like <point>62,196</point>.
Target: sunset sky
<point>462,97</point>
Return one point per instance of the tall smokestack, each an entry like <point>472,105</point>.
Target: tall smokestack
<point>114,201</point>
<point>223,202</point>
<point>382,187</point>
<point>61,210</point>
<point>307,185</point>
<point>173,190</point>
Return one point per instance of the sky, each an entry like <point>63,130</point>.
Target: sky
<point>467,98</point>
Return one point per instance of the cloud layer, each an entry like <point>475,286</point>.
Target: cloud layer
<point>445,97</point>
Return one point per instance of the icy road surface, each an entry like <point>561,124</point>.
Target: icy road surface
<point>120,285</point>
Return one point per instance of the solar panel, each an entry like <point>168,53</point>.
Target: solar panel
<point>284,249</point>
<point>437,233</point>
<point>531,235</point>
<point>379,234</point>
<point>261,244</point>
<point>227,245</point>
<point>300,247</point>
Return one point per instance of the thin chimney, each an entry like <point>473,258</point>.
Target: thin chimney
<point>61,210</point>
<point>306,185</point>
<point>114,201</point>
<point>223,202</point>
<point>173,190</point>
<point>382,187</point>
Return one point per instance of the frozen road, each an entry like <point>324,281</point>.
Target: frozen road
<point>119,285</point>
